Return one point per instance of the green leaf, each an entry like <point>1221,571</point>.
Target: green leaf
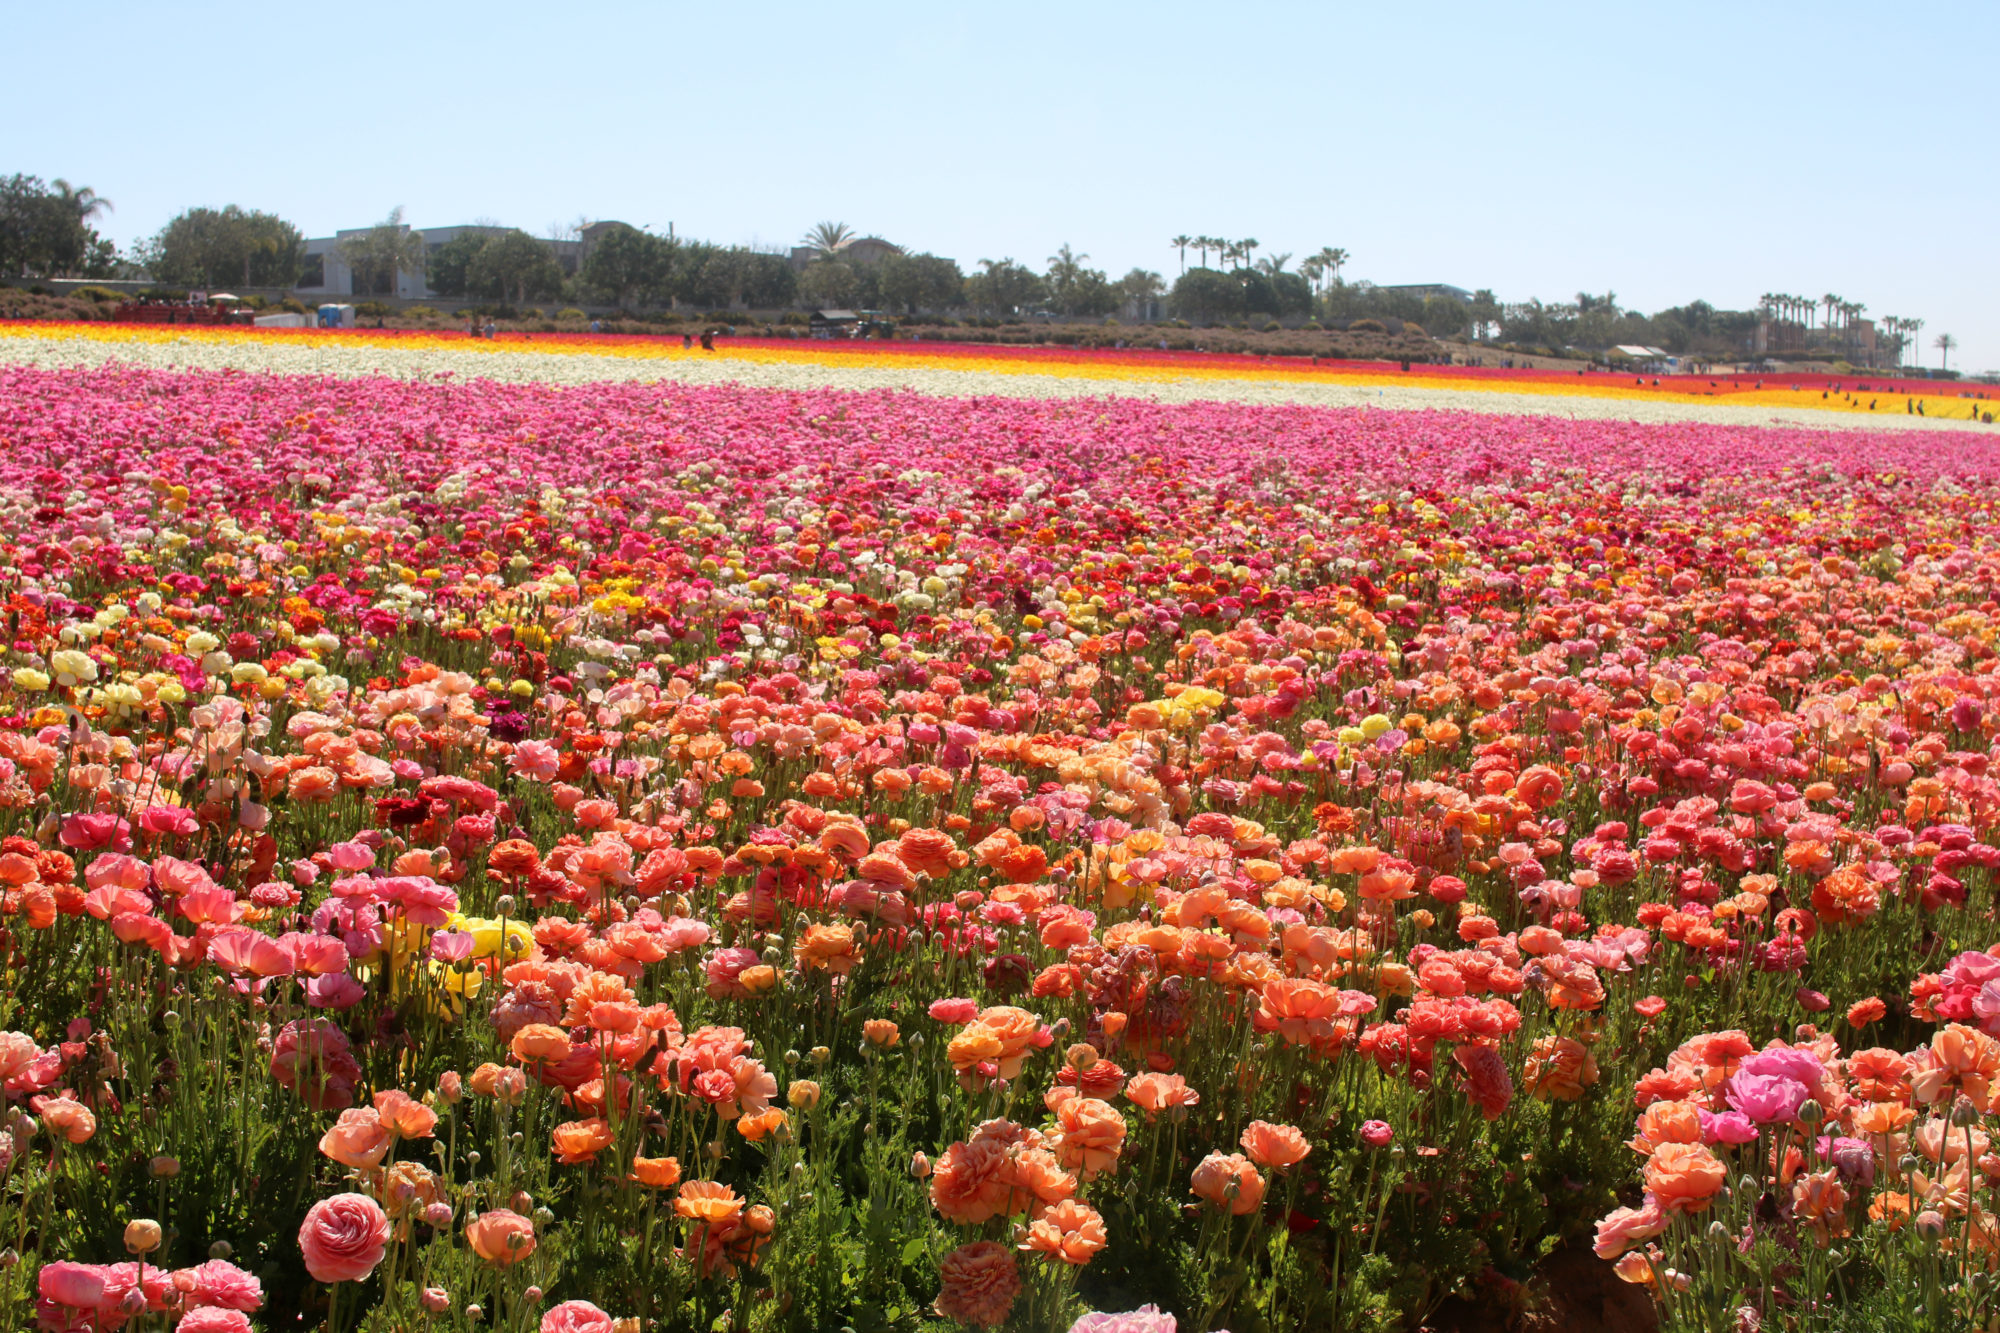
<point>913,1250</point>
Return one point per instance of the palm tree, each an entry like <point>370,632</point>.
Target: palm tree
<point>827,237</point>
<point>1832,304</point>
<point>84,204</point>
<point>1245,248</point>
<point>1204,244</point>
<point>1944,342</point>
<point>1275,265</point>
<point>377,256</point>
<point>1333,257</point>
<point>1181,243</point>
<point>1312,268</point>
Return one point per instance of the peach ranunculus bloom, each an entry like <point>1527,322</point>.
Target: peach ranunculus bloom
<point>343,1238</point>
<point>67,1117</point>
<point>579,1141</point>
<point>1622,1228</point>
<point>358,1139</point>
<point>1229,1180</point>
<point>1092,1133</point>
<point>1154,1093</point>
<point>709,1203</point>
<point>1666,1122</point>
<point>1969,1058</point>
<point>501,1237</point>
<point>829,947</point>
<point>1071,1231</point>
<point>540,1043</point>
<point>1001,1036</point>
<point>1684,1176</point>
<point>657,1173</point>
<point>403,1114</point>
<point>980,1282</point>
<point>1558,1068</point>
<point>1277,1146</point>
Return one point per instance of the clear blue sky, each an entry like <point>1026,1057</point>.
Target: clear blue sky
<point>1667,152</point>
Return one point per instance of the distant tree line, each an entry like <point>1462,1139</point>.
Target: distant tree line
<point>47,229</point>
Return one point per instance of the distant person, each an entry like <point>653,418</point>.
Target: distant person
<point>597,326</point>
<point>687,341</point>
<point>707,341</point>
<point>492,329</point>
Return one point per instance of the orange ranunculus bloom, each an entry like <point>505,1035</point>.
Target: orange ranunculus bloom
<point>1228,1180</point>
<point>1969,1057</point>
<point>657,1173</point>
<point>1666,1122</point>
<point>1882,1118</point>
<point>1684,1176</point>
<point>501,1237</point>
<point>499,1082</point>
<point>404,1115</point>
<point>1154,1093</point>
<point>540,1043</point>
<point>1879,1075</point>
<point>1092,1133</point>
<point>1277,1146</point>
<point>1070,1231</point>
<point>1002,1035</point>
<point>708,1202</point>
<point>880,1032</point>
<point>757,1126</point>
<point>1559,1068</point>
<point>579,1141</point>
<point>831,947</point>
<point>513,858</point>
<point>358,1139</point>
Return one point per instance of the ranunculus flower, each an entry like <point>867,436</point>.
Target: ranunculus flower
<point>575,1317</point>
<point>343,1238</point>
<point>501,1237</point>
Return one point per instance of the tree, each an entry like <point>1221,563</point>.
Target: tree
<point>45,229</point>
<point>626,263</point>
<point>910,283</point>
<point>514,266</point>
<point>826,238</point>
<point>1180,243</point>
<point>1207,295</point>
<point>222,247</point>
<point>1944,342</point>
<point>827,284</point>
<point>447,270</point>
<point>387,249</point>
<point>1140,286</point>
<point>1004,287</point>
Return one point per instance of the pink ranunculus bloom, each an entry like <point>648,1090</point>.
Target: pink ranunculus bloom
<point>336,990</point>
<point>343,1238</point>
<point>1766,1098</point>
<point>96,833</point>
<point>1145,1319</point>
<point>1730,1127</point>
<point>213,1319</point>
<point>576,1317</point>
<point>535,760</point>
<point>219,1282</point>
<point>78,1286</point>
<point>957,1011</point>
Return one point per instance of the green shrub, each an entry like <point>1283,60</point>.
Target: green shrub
<point>423,312</point>
<point>571,314</point>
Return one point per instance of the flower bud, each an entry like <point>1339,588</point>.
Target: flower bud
<point>1811,1112</point>
<point>222,1249</point>
<point>142,1236</point>
<point>164,1168</point>
<point>436,1299</point>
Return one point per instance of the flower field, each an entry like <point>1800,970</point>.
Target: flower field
<point>488,843</point>
<point>949,370</point>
